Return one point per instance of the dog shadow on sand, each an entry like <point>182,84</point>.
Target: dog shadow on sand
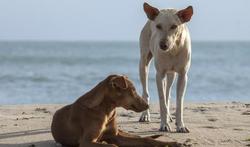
<point>26,134</point>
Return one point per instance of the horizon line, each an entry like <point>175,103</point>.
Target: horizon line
<point>118,41</point>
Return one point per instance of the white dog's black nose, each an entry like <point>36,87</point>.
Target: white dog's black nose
<point>163,45</point>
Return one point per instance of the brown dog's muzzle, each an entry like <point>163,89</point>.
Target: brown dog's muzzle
<point>139,105</point>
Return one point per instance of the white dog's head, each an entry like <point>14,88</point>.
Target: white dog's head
<point>167,24</point>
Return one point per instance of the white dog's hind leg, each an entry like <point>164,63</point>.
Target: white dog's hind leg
<point>169,83</point>
<point>144,69</point>
<point>181,88</point>
<point>162,100</point>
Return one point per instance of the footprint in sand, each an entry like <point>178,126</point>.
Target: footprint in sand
<point>210,127</point>
<point>247,105</point>
<point>246,112</point>
<point>238,129</point>
<point>212,119</point>
<point>44,110</point>
<point>201,109</point>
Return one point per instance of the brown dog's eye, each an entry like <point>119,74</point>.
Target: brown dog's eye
<point>173,27</point>
<point>159,26</point>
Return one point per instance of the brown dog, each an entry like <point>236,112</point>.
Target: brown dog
<point>91,120</point>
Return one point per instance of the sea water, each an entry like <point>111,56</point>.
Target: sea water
<point>60,72</point>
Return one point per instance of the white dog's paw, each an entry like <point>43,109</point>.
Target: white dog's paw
<point>145,116</point>
<point>165,128</point>
<point>171,118</point>
<point>182,129</point>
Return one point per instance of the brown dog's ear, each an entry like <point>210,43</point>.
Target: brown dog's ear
<point>185,15</point>
<point>151,12</point>
<point>119,82</point>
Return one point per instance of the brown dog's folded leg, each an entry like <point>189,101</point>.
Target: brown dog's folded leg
<point>127,140</point>
<point>125,134</point>
<point>95,144</point>
<point>136,136</point>
<point>154,136</point>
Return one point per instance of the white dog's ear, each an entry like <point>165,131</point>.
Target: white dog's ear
<point>119,82</point>
<point>185,15</point>
<point>151,12</point>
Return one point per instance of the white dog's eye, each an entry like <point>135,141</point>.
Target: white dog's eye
<point>159,27</point>
<point>173,27</point>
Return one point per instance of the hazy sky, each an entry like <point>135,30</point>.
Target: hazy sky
<point>116,19</point>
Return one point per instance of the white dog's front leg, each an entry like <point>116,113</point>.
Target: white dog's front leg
<point>165,126</point>
<point>181,88</point>
<point>144,69</point>
<point>169,83</point>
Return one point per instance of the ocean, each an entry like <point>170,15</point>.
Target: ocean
<point>60,72</point>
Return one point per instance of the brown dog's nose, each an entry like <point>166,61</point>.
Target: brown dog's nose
<point>163,45</point>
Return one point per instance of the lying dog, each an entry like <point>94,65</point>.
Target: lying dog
<point>166,38</point>
<point>91,119</point>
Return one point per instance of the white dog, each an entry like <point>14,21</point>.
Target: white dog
<point>166,38</point>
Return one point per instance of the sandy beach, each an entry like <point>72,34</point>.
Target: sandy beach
<point>211,124</point>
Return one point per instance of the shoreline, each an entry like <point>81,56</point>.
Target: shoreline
<point>211,124</point>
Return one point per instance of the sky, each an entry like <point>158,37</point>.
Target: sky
<point>117,20</point>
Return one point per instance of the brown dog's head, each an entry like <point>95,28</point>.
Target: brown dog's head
<point>123,93</point>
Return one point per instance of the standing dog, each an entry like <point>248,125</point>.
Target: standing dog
<point>91,119</point>
<point>166,38</point>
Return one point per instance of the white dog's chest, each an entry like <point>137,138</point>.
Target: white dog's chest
<point>165,62</point>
